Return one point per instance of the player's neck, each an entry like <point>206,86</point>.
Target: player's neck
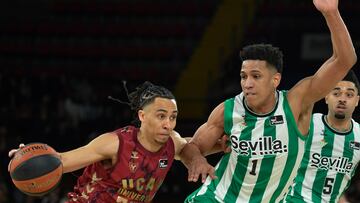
<point>149,145</point>
<point>266,108</point>
<point>340,125</point>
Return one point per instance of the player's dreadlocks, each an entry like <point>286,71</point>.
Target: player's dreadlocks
<point>143,95</point>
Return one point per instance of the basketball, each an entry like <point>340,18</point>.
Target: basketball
<point>36,169</point>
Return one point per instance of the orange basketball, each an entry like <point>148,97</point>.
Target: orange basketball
<point>36,169</point>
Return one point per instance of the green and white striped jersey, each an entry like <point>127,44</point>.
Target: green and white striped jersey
<point>329,162</point>
<point>266,153</point>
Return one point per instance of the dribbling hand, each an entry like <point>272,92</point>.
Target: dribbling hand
<point>12,153</point>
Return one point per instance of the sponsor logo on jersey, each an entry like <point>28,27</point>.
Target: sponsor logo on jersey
<point>125,129</point>
<point>323,142</point>
<point>163,163</point>
<point>242,123</point>
<point>276,120</point>
<point>355,145</point>
<point>132,166</point>
<point>339,164</point>
<point>134,155</point>
<point>263,146</point>
<point>322,133</point>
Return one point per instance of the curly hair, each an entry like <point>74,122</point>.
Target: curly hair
<point>266,52</point>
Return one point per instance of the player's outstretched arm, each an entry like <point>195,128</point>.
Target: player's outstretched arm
<point>101,148</point>
<point>342,59</point>
<point>311,89</point>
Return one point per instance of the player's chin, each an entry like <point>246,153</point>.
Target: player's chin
<point>251,98</point>
<point>252,101</point>
<point>162,139</point>
<point>340,115</point>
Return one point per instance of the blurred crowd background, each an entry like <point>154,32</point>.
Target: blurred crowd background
<point>61,59</point>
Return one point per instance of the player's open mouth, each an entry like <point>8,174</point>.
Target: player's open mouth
<point>341,106</point>
<point>249,94</point>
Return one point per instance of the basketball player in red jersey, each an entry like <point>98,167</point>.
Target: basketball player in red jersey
<point>129,164</point>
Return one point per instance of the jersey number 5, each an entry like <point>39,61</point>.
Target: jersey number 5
<point>328,185</point>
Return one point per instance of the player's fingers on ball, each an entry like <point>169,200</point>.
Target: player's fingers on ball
<point>12,152</point>
<point>22,145</point>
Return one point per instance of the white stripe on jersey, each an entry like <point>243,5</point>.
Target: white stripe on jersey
<point>279,164</point>
<point>226,179</point>
<point>356,155</point>
<point>310,175</point>
<point>245,192</point>
<point>301,147</point>
<point>338,148</point>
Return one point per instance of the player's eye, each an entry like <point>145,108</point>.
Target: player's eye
<point>161,116</point>
<point>350,94</point>
<point>173,117</point>
<point>257,76</point>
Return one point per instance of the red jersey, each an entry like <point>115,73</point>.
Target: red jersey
<point>135,178</point>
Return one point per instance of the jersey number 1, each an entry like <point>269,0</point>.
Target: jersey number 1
<point>253,168</point>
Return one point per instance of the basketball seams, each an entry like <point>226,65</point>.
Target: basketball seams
<point>39,165</point>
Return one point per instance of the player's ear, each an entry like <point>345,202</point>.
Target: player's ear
<point>357,101</point>
<point>276,79</point>
<point>141,115</point>
<point>326,99</point>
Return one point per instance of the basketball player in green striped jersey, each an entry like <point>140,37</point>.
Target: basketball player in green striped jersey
<point>332,149</point>
<point>267,128</point>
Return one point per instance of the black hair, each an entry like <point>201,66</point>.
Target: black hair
<point>266,52</point>
<point>145,94</point>
<point>351,77</point>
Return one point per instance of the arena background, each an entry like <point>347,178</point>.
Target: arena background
<point>60,59</point>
